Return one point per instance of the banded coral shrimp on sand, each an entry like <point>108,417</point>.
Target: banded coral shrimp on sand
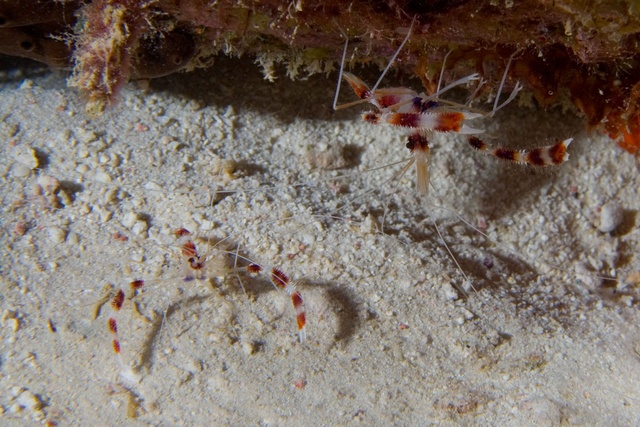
<point>566,240</point>
<point>389,339</point>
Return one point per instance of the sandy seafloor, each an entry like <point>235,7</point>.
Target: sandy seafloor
<point>392,338</point>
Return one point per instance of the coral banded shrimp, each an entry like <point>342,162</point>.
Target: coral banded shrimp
<point>430,116</point>
<point>164,262</point>
<point>426,115</point>
<point>198,265</point>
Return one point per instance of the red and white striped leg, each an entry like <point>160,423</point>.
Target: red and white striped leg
<point>540,156</point>
<point>280,280</point>
<point>436,121</point>
<point>418,145</point>
<point>117,301</point>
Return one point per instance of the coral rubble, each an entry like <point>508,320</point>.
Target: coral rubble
<point>588,50</point>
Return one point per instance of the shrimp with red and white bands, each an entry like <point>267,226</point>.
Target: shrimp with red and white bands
<point>425,115</point>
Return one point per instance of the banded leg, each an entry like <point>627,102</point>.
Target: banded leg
<point>117,301</point>
<point>361,94</point>
<point>540,156</point>
<point>418,145</point>
<point>280,280</point>
<point>381,98</point>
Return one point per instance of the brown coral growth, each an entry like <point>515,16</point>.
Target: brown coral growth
<point>120,39</point>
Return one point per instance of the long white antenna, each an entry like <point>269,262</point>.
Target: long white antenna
<point>344,55</point>
<point>444,62</point>
<point>515,91</point>
<point>395,55</point>
<point>466,278</point>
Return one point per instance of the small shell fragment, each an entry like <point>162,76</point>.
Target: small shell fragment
<point>48,183</point>
<point>29,401</point>
<point>26,156</point>
<point>18,170</point>
<point>611,215</point>
<point>56,234</point>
